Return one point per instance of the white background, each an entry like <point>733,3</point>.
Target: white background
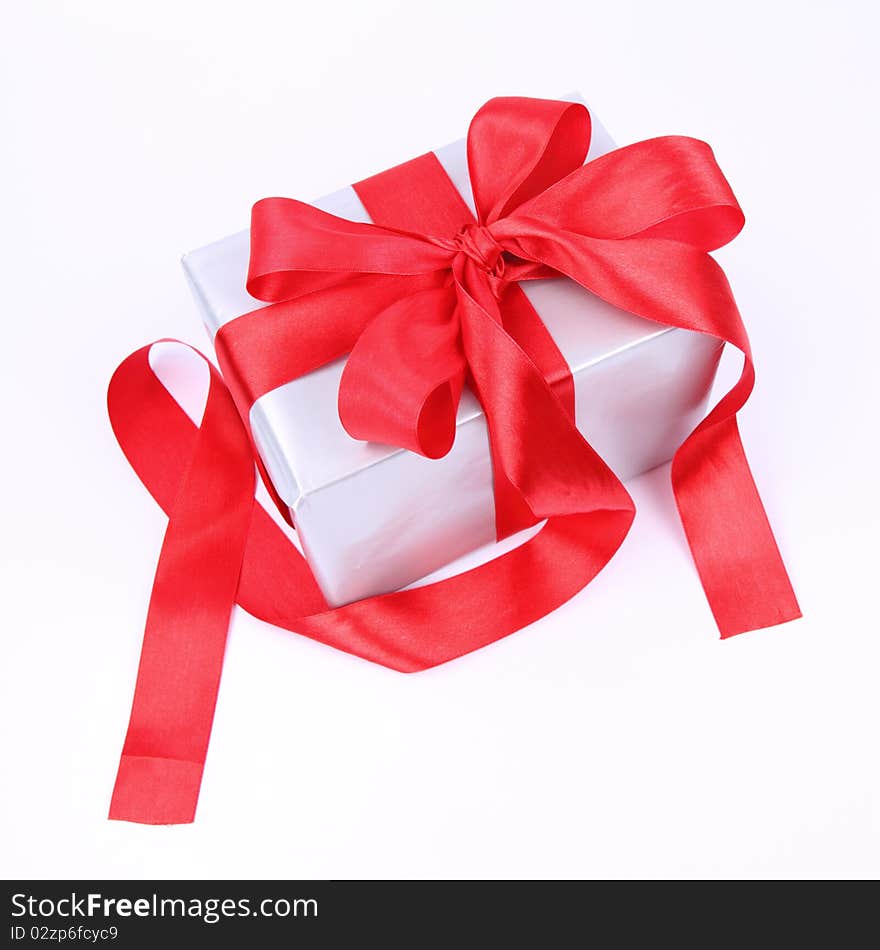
<point>618,737</point>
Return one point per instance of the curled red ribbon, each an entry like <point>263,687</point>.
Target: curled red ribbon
<point>424,300</point>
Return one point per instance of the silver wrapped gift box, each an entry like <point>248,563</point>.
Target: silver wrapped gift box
<point>374,518</point>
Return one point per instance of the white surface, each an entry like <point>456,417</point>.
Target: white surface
<point>617,737</point>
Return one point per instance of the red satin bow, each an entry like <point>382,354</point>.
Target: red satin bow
<point>424,300</point>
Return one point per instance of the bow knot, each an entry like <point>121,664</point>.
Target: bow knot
<point>476,242</point>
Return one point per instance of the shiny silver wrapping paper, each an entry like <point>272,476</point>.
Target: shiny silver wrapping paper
<point>373,518</point>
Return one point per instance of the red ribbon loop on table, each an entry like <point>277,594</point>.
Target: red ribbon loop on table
<point>424,300</point>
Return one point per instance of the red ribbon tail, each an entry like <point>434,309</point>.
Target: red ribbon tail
<point>730,537</point>
<point>193,594</point>
<point>156,791</point>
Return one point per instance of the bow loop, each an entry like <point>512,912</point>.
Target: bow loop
<point>668,188</point>
<point>403,379</point>
<point>297,249</point>
<point>517,148</point>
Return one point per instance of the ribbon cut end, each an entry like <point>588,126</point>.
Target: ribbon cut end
<point>156,791</point>
<point>783,614</point>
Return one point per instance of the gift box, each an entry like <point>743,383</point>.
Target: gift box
<point>373,518</point>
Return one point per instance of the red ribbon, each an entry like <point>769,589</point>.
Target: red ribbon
<point>424,300</point>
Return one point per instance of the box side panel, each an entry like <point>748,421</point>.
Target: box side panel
<point>393,523</point>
